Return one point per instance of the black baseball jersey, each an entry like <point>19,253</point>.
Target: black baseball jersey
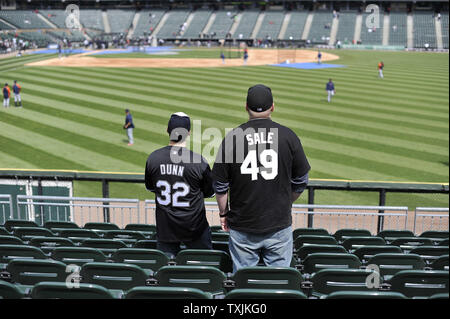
<point>180,180</point>
<point>259,161</point>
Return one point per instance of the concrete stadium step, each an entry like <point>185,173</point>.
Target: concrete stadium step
<point>438,26</point>
<point>308,23</point>
<point>287,19</point>
<point>358,26</point>
<point>386,29</point>
<point>258,25</point>
<point>135,23</point>
<point>106,22</point>
<point>409,31</point>
<point>334,30</point>
<point>208,25</point>
<point>235,24</point>
<point>51,24</point>
<point>161,24</point>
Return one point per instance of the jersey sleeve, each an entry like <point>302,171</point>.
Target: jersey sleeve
<point>207,181</point>
<point>300,164</point>
<point>149,183</point>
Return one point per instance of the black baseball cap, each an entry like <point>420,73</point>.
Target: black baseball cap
<point>259,98</point>
<point>179,126</point>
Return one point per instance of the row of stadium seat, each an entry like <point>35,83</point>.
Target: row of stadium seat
<point>119,278</point>
<point>319,257</point>
<point>339,234</point>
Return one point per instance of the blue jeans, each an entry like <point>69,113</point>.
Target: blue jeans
<point>172,249</point>
<point>274,248</point>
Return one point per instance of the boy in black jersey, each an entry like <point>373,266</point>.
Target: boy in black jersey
<point>263,167</point>
<point>180,180</point>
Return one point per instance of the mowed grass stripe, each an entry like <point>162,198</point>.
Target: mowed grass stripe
<point>240,94</point>
<point>161,136</point>
<point>391,122</point>
<point>14,161</point>
<point>82,156</point>
<point>303,98</point>
<point>92,144</point>
<point>207,79</point>
<point>376,138</point>
<point>318,79</point>
<point>391,170</point>
<point>38,158</point>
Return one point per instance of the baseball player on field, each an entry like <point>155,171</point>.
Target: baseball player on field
<point>17,99</point>
<point>6,94</point>
<point>380,69</point>
<point>330,89</point>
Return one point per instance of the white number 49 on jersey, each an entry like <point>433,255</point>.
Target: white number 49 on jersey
<point>269,161</point>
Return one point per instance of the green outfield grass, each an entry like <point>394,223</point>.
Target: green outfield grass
<point>391,129</point>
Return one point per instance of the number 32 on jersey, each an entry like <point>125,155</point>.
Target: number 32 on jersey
<point>269,161</point>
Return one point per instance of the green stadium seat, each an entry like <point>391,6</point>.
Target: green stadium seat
<point>48,244</point>
<point>50,225</point>
<point>148,244</point>
<point>356,242</point>
<point>412,242</point>
<point>10,240</point>
<point>77,235</point>
<point>107,246</point>
<point>10,224</point>
<point>440,296</point>
<point>101,226</point>
<point>315,262</point>
<point>313,239</point>
<point>306,250</point>
<point>10,291</point>
<point>78,255</point>
<point>265,294</point>
<point>4,232</point>
<point>309,231</point>
<point>444,242</point>
<point>326,281</point>
<point>390,235</point>
<point>420,283</point>
<point>342,234</point>
<point>11,252</point>
<point>365,295</point>
<point>166,293</point>
<point>57,290</point>
<point>268,278</point>
<point>26,273</point>
<point>389,264</point>
<point>220,236</point>
<point>221,245</point>
<point>441,263</point>
<point>145,228</point>
<point>204,257</point>
<point>206,278</point>
<point>366,252</point>
<point>116,277</point>
<point>435,234</point>
<point>151,260</point>
<point>216,228</point>
<point>26,233</point>
<point>127,236</point>
<point>430,253</point>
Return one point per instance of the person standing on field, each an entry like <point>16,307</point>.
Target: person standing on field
<point>16,89</point>
<point>330,90</point>
<point>262,168</point>
<point>6,94</point>
<point>380,69</point>
<point>129,126</point>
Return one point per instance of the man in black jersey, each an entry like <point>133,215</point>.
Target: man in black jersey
<point>263,167</point>
<point>180,180</point>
